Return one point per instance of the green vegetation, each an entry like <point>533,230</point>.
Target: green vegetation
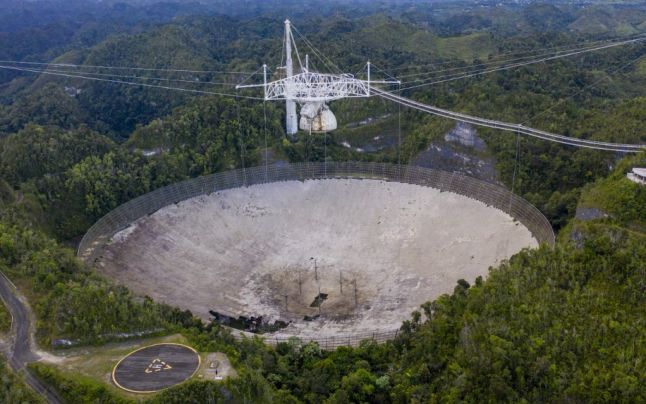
<point>561,325</point>
<point>77,388</point>
<point>618,197</point>
<point>69,300</point>
<point>5,318</point>
<point>95,362</point>
<point>36,151</point>
<point>76,176</point>
<point>550,325</point>
<point>13,389</point>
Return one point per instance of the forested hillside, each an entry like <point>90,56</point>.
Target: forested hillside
<point>550,325</point>
<point>556,325</point>
<point>13,390</point>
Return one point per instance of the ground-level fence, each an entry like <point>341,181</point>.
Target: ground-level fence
<point>326,343</point>
<point>99,235</point>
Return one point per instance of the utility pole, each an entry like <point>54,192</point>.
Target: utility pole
<point>264,79</point>
<point>316,271</point>
<point>354,282</point>
<point>300,282</point>
<point>341,281</point>
<point>368,78</point>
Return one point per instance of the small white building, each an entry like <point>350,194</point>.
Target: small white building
<point>638,175</point>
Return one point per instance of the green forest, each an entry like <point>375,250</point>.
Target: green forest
<point>562,324</point>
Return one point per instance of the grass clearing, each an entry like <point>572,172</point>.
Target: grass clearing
<point>467,47</point>
<point>97,362</point>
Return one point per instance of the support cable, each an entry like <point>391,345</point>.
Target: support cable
<point>242,145</point>
<point>457,116</point>
<point>144,78</point>
<point>582,89</point>
<point>494,62</point>
<point>512,66</point>
<point>360,70</point>
<point>527,52</point>
<point>324,59</point>
<point>282,54</point>
<point>513,178</point>
<point>70,65</point>
<point>308,152</point>
<point>250,76</point>
<point>384,72</point>
<point>264,113</point>
<point>399,131</point>
<point>519,128</point>
<point>298,56</point>
<point>325,154</point>
<point>130,83</point>
<point>318,53</point>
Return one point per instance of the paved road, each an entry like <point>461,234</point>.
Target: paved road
<point>21,354</point>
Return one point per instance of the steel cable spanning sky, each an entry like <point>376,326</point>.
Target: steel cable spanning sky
<point>298,86</point>
<point>518,128</point>
<point>61,70</point>
<point>478,72</point>
<point>106,80</point>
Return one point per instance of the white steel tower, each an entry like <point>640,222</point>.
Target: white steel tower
<point>291,119</point>
<point>311,90</point>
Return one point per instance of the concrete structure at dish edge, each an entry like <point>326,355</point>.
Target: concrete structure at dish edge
<point>637,175</point>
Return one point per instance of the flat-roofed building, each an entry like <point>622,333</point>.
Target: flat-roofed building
<point>638,175</point>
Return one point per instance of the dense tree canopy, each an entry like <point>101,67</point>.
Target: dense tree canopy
<point>36,151</point>
<point>557,325</point>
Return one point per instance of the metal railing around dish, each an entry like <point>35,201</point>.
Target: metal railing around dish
<point>99,235</point>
